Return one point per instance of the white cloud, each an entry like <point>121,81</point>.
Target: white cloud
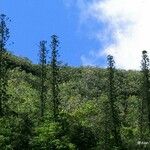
<point>87,61</point>
<point>127,24</point>
<point>90,61</point>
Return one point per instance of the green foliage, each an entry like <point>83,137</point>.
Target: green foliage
<point>84,117</point>
<point>22,63</point>
<point>23,97</point>
<point>22,133</point>
<point>5,133</point>
<point>49,135</point>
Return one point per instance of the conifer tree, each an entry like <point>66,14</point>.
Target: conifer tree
<point>114,116</point>
<point>55,76</point>
<point>146,83</point>
<point>43,73</point>
<point>4,36</point>
<point>144,119</point>
<point>107,124</point>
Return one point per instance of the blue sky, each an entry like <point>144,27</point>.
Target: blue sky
<point>35,20</point>
<point>88,30</point>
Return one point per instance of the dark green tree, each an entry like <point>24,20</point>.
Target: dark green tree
<point>22,133</point>
<point>114,112</point>
<point>83,137</point>
<point>144,120</point>
<point>43,73</point>
<point>55,77</point>
<point>4,36</point>
<point>146,83</point>
<point>106,123</point>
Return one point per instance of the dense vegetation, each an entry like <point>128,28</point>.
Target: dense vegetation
<point>51,106</point>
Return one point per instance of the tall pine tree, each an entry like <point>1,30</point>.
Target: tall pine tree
<point>114,116</point>
<point>144,120</point>
<point>4,36</point>
<point>43,73</point>
<point>55,76</point>
<point>106,123</point>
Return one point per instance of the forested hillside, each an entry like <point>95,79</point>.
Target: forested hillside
<point>83,93</point>
<point>51,106</point>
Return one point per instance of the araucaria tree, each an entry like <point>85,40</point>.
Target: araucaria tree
<point>4,36</point>
<point>43,74</point>
<point>145,98</point>
<point>114,116</point>
<point>55,76</point>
